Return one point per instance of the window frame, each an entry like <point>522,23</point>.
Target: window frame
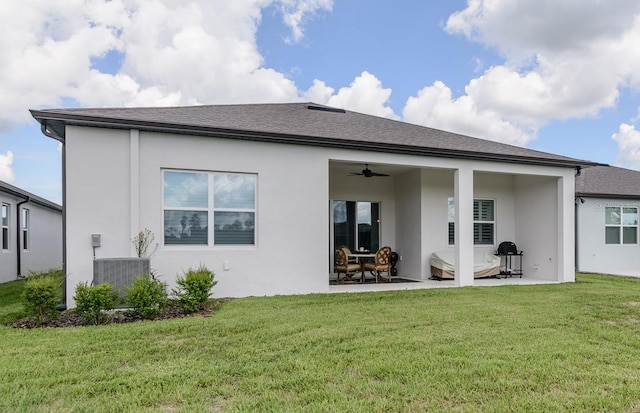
<point>5,217</point>
<point>353,219</point>
<point>621,226</point>
<point>476,222</point>
<point>24,228</point>
<point>211,210</point>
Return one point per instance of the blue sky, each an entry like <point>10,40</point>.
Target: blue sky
<point>561,77</point>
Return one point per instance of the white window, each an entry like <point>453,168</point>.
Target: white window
<point>483,221</point>
<point>197,201</point>
<point>5,227</point>
<point>25,229</point>
<point>621,225</point>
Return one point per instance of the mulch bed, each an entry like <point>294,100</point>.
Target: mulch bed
<point>69,318</point>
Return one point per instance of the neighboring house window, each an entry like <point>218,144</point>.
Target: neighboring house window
<point>483,221</point>
<point>621,225</point>
<point>25,229</point>
<point>197,201</point>
<point>5,227</point>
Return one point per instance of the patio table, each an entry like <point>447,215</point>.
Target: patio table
<point>362,257</point>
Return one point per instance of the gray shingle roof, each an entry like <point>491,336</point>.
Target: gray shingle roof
<point>608,182</point>
<point>21,193</point>
<point>299,123</point>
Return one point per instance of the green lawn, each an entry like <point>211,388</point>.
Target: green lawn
<point>547,348</point>
<point>10,306</point>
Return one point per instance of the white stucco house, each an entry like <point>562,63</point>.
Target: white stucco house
<point>263,193</point>
<point>607,208</point>
<point>31,233</point>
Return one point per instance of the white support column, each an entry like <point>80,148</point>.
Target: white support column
<point>566,229</point>
<point>134,186</point>
<point>463,187</point>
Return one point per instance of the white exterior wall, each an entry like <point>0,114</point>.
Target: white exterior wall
<point>547,241</point>
<point>290,255</point>
<point>114,188</point>
<point>44,242</point>
<point>593,254</point>
<point>291,251</point>
<point>436,188</point>
<point>411,224</point>
<point>97,199</point>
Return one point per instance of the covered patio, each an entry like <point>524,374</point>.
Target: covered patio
<point>466,208</point>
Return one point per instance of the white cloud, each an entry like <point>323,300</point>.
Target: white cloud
<point>173,53</point>
<point>628,139</point>
<point>319,92</point>
<point>563,60</point>
<point>365,94</point>
<point>47,47</point>
<point>295,11</point>
<point>527,27</point>
<point>6,172</point>
<point>435,107</point>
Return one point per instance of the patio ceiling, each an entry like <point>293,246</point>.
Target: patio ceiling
<point>347,168</point>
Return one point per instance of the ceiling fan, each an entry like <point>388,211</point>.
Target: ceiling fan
<point>368,173</point>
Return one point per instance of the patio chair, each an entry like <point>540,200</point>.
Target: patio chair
<point>381,265</point>
<point>344,266</point>
<point>348,253</point>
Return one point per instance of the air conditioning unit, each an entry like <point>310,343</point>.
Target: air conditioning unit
<point>119,272</point>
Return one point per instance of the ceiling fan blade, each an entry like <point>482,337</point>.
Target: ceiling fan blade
<point>367,173</point>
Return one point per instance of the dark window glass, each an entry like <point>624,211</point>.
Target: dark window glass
<point>185,227</point>
<point>234,228</point>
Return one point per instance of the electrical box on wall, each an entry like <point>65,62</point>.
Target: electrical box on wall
<point>95,240</point>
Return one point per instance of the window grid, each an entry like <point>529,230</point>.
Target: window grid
<point>227,203</point>
<point>621,225</point>
<point>483,221</point>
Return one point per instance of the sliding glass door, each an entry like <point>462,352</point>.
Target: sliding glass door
<point>356,224</point>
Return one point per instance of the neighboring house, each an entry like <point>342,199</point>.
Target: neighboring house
<point>262,194</point>
<point>31,233</point>
<point>607,212</point>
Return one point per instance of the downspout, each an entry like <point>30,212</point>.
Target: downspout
<point>576,239</point>
<point>19,235</point>
<point>45,132</point>
<point>575,232</point>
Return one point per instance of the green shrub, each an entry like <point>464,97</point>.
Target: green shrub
<point>92,301</point>
<point>147,296</point>
<point>42,292</point>
<point>194,288</point>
